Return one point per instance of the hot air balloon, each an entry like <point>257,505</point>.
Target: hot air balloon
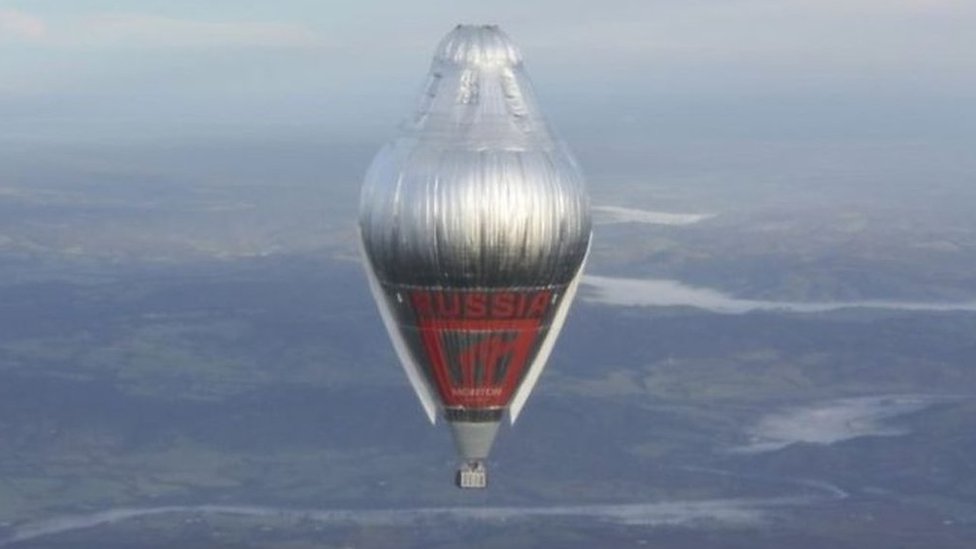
<point>474,224</point>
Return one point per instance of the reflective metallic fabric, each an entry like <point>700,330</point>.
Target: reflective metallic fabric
<point>475,192</point>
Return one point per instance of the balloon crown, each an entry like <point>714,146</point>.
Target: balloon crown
<point>479,46</point>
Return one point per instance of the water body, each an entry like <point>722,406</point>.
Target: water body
<point>606,215</point>
<point>636,292</point>
<point>835,421</point>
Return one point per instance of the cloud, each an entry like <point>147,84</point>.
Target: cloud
<point>136,30</point>
<point>156,31</point>
<point>834,421</point>
<point>635,292</point>
<point>606,215</point>
<point>17,24</point>
<point>893,5</point>
<point>764,46</point>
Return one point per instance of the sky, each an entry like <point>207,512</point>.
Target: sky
<point>100,71</point>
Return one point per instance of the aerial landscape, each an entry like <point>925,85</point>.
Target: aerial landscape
<point>773,342</point>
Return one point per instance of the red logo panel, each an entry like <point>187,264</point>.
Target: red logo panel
<point>479,343</point>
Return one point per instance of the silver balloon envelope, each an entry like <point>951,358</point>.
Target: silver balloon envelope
<point>475,225</point>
